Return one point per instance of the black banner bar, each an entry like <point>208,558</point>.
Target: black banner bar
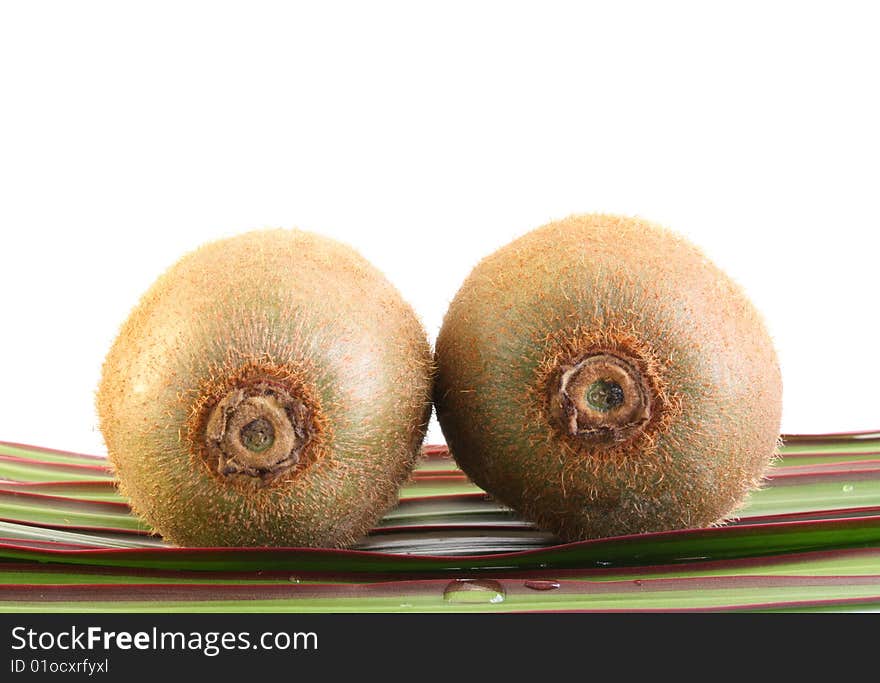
<point>132,646</point>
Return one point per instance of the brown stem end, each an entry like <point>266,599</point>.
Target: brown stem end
<point>258,431</point>
<point>601,398</point>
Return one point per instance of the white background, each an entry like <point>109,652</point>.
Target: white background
<point>427,136</point>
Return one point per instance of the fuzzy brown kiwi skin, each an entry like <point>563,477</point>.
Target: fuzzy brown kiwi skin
<point>276,326</point>
<point>600,286</point>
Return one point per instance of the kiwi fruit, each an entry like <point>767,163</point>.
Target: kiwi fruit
<point>602,377</point>
<point>269,389</point>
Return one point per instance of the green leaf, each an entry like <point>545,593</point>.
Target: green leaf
<point>810,540</point>
<point>43,510</point>
<point>457,595</point>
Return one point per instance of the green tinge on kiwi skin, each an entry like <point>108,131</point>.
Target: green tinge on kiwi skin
<point>268,299</point>
<point>608,277</point>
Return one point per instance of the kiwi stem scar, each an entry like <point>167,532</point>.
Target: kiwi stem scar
<point>257,435</point>
<point>600,398</point>
<point>604,395</point>
<point>257,431</point>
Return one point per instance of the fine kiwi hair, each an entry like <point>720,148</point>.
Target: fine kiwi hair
<point>269,389</point>
<point>602,377</point>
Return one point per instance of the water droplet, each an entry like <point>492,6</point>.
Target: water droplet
<point>293,579</point>
<point>537,585</point>
<point>474,591</point>
<point>848,488</point>
<point>603,563</point>
<point>405,605</point>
